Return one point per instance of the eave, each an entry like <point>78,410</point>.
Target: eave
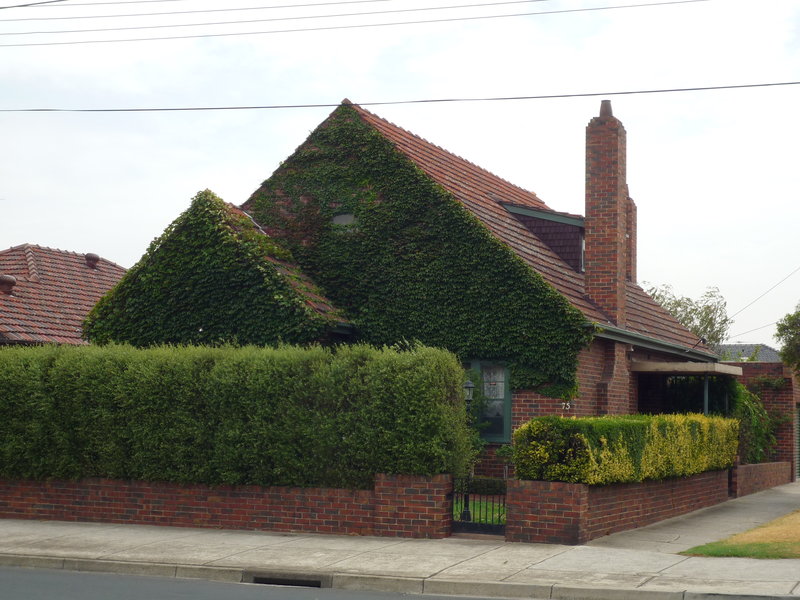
<point>616,334</point>
<point>684,368</point>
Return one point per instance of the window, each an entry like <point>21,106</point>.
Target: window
<point>496,395</point>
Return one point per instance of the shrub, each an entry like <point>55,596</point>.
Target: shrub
<point>757,433</point>
<point>604,450</point>
<point>280,416</point>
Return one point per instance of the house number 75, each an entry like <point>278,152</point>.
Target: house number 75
<point>566,405</point>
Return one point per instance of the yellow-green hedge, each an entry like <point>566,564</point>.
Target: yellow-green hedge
<point>604,450</point>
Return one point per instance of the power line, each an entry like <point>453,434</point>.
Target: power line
<point>360,26</point>
<point>395,102</point>
<point>765,293</point>
<point>32,4</point>
<point>218,10</point>
<point>273,19</point>
<point>730,337</point>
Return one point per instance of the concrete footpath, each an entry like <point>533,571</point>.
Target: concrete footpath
<point>641,564</point>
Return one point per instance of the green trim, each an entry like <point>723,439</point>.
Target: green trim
<point>505,437</point>
<point>609,332</point>
<point>544,214</point>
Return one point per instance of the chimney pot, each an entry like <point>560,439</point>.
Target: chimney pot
<point>605,108</point>
<point>7,283</point>
<point>92,259</point>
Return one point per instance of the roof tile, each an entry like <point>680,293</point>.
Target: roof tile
<point>55,290</point>
<point>484,194</point>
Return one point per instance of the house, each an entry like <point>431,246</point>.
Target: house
<point>410,242</point>
<point>45,294</point>
<point>749,352</point>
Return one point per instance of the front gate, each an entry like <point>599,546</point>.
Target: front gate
<point>479,505</point>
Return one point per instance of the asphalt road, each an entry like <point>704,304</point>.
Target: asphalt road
<point>44,584</point>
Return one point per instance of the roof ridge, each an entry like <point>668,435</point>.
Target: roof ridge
<point>30,260</point>
<point>459,157</point>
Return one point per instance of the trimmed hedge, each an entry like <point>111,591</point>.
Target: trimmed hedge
<point>284,416</point>
<point>604,450</point>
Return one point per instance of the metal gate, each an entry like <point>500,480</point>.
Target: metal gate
<point>479,505</point>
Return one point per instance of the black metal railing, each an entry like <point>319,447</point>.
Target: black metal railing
<point>479,505</point>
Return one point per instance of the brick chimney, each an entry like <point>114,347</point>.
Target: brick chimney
<point>610,221</point>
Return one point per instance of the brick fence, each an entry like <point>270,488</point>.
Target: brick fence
<point>574,513</point>
<point>749,479</point>
<point>398,505</point>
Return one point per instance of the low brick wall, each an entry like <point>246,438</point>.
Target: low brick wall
<point>749,479</point>
<point>574,513</point>
<point>399,505</point>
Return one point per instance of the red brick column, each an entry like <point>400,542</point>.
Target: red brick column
<point>413,506</point>
<point>546,512</point>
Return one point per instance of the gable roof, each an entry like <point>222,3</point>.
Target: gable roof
<point>53,293</point>
<point>299,281</point>
<point>486,196</point>
<point>740,352</point>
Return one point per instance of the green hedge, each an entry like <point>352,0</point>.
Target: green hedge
<point>285,416</point>
<point>604,450</point>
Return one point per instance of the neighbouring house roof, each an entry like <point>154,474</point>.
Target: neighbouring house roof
<point>744,352</point>
<point>497,203</point>
<point>53,292</point>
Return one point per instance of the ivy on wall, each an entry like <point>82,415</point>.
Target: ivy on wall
<point>210,278</point>
<point>415,263</point>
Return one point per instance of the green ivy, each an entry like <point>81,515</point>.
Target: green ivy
<point>209,280</point>
<point>416,264</point>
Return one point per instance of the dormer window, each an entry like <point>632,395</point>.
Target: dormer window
<point>344,219</point>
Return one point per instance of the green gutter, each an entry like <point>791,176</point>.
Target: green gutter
<point>544,214</point>
<point>609,332</point>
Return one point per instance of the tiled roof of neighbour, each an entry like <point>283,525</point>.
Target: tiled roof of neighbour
<point>484,194</point>
<point>54,292</point>
<point>735,352</point>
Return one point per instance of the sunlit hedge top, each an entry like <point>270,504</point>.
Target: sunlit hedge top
<point>603,450</point>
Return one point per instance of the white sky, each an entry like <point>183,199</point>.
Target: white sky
<point>714,174</point>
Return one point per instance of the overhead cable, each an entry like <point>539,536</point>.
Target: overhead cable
<point>395,102</point>
<point>765,293</point>
<point>360,26</point>
<point>237,9</point>
<point>271,19</point>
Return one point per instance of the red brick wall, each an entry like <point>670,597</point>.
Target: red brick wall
<point>574,513</point>
<point>749,479</point>
<point>782,401</point>
<point>399,505</point>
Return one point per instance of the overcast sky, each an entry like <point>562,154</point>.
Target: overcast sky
<point>714,173</point>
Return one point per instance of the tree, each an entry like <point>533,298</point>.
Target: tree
<point>706,317</point>
<point>788,332</point>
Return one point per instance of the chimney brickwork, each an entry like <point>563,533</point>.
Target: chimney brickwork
<point>610,257</point>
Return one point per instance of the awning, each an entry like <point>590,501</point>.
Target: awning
<point>684,368</point>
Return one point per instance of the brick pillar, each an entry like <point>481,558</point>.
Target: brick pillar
<point>549,512</point>
<point>413,506</point>
<point>608,209</point>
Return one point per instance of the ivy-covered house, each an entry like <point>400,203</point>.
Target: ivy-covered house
<point>410,242</point>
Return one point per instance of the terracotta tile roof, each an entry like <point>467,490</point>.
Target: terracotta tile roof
<point>484,194</point>
<point>299,281</point>
<point>53,293</point>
